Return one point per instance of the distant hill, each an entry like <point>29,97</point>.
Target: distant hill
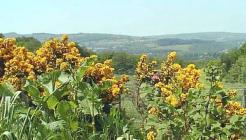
<point>189,45</point>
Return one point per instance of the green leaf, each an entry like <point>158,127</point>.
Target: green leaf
<point>33,91</point>
<point>87,107</point>
<point>80,73</point>
<point>56,125</point>
<point>234,119</point>
<point>48,80</point>
<point>63,109</point>
<point>64,77</point>
<point>8,135</point>
<point>74,125</point>
<point>73,104</point>
<point>52,102</point>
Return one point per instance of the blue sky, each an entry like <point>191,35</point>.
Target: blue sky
<point>131,17</point>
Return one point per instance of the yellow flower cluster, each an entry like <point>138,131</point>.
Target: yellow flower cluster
<point>173,77</point>
<point>172,100</point>
<point>168,93</point>
<point>235,108</point>
<point>168,69</point>
<point>166,90</point>
<point>7,47</point>
<point>118,86</point>
<point>231,107</point>
<point>101,71</point>
<point>57,54</point>
<point>18,64</point>
<point>116,89</point>
<point>188,77</point>
<point>144,69</point>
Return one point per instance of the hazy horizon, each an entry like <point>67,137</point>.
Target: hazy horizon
<point>124,34</point>
<point>128,17</point>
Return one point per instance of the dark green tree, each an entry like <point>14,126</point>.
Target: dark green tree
<point>1,35</point>
<point>30,43</point>
<point>85,52</point>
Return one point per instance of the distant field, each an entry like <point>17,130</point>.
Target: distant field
<point>190,46</point>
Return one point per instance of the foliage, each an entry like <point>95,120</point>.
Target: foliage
<point>234,62</point>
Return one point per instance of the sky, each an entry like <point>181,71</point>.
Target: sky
<point>129,17</point>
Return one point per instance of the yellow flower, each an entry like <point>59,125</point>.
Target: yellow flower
<point>58,84</point>
<point>159,85</point>
<point>71,45</point>
<point>183,96</point>
<point>218,101</point>
<point>172,54</point>
<point>108,62</point>
<point>93,56</point>
<point>191,66</point>
<point>124,78</point>
<point>242,111</point>
<point>151,135</point>
<point>64,37</point>
<point>153,111</point>
<point>219,84</point>
<point>31,76</point>
<point>64,66</point>
<point>115,90</point>
<point>172,100</point>
<point>153,62</point>
<point>232,92</point>
<point>176,67</point>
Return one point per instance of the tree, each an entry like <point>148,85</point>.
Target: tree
<point>30,43</point>
<point>228,59</point>
<point>1,35</point>
<point>124,62</point>
<point>237,73</point>
<point>85,52</point>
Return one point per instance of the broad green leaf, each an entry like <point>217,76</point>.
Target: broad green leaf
<point>80,73</point>
<point>87,107</point>
<point>33,91</point>
<point>64,77</point>
<point>63,109</point>
<point>52,102</point>
<point>74,125</point>
<point>234,119</point>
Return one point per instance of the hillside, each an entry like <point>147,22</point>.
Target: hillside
<point>189,46</point>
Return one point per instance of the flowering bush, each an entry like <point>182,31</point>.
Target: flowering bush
<point>178,107</point>
<point>18,64</point>
<point>67,96</point>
